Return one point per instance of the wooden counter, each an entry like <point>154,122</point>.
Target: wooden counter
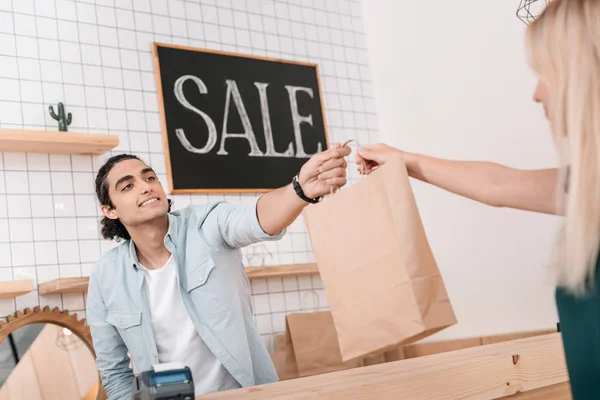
<point>532,366</point>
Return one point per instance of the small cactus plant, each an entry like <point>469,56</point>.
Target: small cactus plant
<point>63,121</point>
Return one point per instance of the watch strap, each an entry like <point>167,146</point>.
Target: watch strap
<point>300,192</point>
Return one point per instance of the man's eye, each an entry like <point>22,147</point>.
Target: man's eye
<point>151,178</point>
<point>127,187</point>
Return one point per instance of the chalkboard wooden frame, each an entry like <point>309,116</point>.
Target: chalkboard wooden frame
<point>163,119</point>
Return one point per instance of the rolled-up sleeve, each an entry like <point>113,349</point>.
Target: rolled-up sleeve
<point>237,225</point>
<point>111,353</point>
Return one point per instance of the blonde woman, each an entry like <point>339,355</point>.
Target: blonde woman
<point>564,51</point>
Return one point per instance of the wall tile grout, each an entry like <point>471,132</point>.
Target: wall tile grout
<point>114,61</point>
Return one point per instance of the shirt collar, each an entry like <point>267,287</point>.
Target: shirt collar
<point>169,241</point>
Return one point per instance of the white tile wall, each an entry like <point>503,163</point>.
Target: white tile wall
<point>95,56</point>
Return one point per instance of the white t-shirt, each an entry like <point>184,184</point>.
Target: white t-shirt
<point>175,336</point>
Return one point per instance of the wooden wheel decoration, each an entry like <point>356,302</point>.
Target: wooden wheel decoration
<point>57,317</point>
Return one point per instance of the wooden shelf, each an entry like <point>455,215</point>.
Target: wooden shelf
<point>56,142</point>
<point>64,285</point>
<point>12,289</point>
<point>280,271</point>
<point>80,285</point>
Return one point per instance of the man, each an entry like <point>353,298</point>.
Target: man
<point>176,289</point>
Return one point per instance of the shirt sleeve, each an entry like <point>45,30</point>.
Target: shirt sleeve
<point>236,225</point>
<point>111,353</point>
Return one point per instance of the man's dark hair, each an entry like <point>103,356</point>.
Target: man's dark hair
<point>112,228</point>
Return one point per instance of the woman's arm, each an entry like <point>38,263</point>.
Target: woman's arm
<point>489,183</point>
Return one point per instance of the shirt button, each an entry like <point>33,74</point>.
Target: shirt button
<point>154,355</point>
<point>121,324</point>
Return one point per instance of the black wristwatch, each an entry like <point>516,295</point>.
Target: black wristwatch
<point>301,194</point>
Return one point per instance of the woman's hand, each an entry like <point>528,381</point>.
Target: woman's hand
<point>374,156</point>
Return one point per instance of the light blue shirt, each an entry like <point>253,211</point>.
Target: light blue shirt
<point>206,242</point>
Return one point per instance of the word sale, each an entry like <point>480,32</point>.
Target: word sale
<point>248,134</point>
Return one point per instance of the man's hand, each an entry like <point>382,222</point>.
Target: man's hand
<point>324,171</point>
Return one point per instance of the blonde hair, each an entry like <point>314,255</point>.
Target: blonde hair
<point>563,49</point>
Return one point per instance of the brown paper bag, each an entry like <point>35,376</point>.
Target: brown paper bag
<point>278,356</point>
<point>394,355</point>
<point>389,356</point>
<point>374,360</point>
<point>280,342</point>
<point>314,346</point>
<point>291,369</point>
<point>382,282</point>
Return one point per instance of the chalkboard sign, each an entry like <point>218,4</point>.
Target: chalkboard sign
<point>236,123</point>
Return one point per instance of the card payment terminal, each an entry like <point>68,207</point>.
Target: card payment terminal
<point>164,382</point>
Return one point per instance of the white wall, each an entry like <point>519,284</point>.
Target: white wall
<point>451,80</point>
<point>96,57</point>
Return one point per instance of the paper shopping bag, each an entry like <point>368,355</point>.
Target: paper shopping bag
<point>278,356</point>
<point>374,359</point>
<point>396,354</point>
<point>291,369</point>
<point>314,344</point>
<point>381,279</point>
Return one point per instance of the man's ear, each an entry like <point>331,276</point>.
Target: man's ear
<point>109,212</point>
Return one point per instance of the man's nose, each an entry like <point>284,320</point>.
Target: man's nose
<point>144,187</point>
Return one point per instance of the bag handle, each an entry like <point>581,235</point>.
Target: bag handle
<point>363,165</point>
<point>315,296</point>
